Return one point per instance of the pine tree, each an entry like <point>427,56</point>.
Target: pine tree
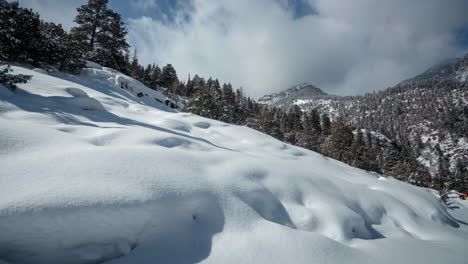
<point>310,137</point>
<point>461,174</point>
<point>147,75</point>
<point>326,125</point>
<point>168,77</point>
<point>228,104</point>
<point>156,77</point>
<point>101,33</point>
<point>58,48</point>
<point>313,121</point>
<point>389,162</point>
<point>358,152</point>
<point>294,119</point>
<point>135,68</point>
<point>339,142</point>
<point>444,168</point>
<point>20,37</point>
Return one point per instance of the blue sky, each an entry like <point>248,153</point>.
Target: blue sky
<point>150,8</point>
<point>158,9</point>
<point>342,46</point>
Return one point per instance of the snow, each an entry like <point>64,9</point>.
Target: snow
<point>452,148</point>
<point>92,173</point>
<point>461,74</point>
<point>39,70</point>
<point>302,101</point>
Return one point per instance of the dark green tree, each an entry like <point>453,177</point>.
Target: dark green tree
<point>101,33</point>
<point>20,35</point>
<point>358,152</point>
<point>168,77</point>
<point>326,125</point>
<point>156,77</point>
<point>339,142</point>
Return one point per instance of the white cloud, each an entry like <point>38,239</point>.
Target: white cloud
<point>348,47</point>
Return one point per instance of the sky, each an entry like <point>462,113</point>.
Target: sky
<point>344,47</point>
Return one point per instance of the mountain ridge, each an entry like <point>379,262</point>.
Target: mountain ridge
<point>450,69</point>
<point>300,90</point>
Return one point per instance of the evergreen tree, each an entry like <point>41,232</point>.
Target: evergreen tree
<point>60,49</point>
<point>101,33</point>
<point>228,104</point>
<point>156,77</point>
<point>326,125</point>
<point>310,137</point>
<point>294,123</point>
<point>136,71</point>
<point>147,75</point>
<point>339,142</point>
<point>20,37</point>
<point>53,49</point>
<point>444,166</point>
<point>313,121</point>
<point>358,152</point>
<point>168,77</point>
<point>189,87</point>
<point>461,176</point>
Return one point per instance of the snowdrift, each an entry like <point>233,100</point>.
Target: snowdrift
<point>93,173</point>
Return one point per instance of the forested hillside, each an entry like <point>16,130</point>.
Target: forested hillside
<point>425,125</point>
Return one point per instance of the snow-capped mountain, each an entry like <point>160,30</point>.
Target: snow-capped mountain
<point>96,168</point>
<point>451,69</point>
<point>284,98</point>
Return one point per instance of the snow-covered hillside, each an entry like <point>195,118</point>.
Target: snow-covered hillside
<point>91,173</point>
<point>285,98</point>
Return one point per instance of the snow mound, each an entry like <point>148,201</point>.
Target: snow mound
<point>75,92</point>
<point>85,103</point>
<point>134,181</point>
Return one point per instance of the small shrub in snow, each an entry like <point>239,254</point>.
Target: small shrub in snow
<point>10,80</point>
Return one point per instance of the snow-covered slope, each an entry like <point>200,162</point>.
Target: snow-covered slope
<point>92,173</point>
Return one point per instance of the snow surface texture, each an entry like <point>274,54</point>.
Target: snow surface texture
<point>92,173</point>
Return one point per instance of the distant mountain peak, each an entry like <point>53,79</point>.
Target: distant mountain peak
<point>307,86</point>
<point>297,91</point>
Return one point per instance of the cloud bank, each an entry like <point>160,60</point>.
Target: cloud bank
<point>345,47</point>
<point>342,46</point>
